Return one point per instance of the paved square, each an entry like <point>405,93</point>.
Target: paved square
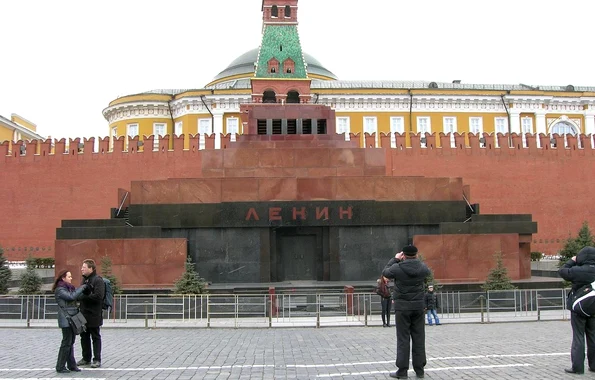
<point>525,350</point>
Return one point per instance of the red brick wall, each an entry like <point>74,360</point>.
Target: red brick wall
<point>557,186</point>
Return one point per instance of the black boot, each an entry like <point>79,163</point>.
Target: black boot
<point>63,354</point>
<point>71,362</point>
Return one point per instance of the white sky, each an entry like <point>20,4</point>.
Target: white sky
<point>63,61</point>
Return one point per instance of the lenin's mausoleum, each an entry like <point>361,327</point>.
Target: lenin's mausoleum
<point>278,171</point>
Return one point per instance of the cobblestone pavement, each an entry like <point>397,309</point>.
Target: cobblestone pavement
<point>521,350</point>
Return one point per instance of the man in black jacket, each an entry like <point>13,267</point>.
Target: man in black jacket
<point>431,301</point>
<point>92,309</point>
<point>409,274</point>
<point>580,270</point>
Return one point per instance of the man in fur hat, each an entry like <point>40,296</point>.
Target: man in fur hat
<point>409,274</point>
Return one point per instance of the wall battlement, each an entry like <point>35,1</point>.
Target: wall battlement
<point>554,184</point>
<point>468,144</point>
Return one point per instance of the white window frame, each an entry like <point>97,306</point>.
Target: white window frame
<point>526,127</point>
<point>232,127</point>
<point>371,126</point>
<point>344,126</point>
<point>449,125</point>
<point>503,127</point>
<point>397,125</point>
<point>205,126</point>
<point>131,132</point>
<point>424,125</point>
<point>476,129</point>
<point>500,126</point>
<point>114,137</point>
<point>159,129</point>
<point>179,128</point>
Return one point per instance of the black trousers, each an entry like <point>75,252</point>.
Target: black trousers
<point>410,329</point>
<point>581,327</point>
<point>386,303</point>
<point>66,351</point>
<point>91,333</point>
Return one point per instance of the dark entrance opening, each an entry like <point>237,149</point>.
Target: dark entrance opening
<point>299,254</point>
<point>293,97</point>
<point>269,97</point>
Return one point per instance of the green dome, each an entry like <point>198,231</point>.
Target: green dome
<point>244,64</point>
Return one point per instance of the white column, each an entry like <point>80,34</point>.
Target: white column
<point>515,121</point>
<point>539,126</point>
<point>217,128</point>
<point>540,122</point>
<point>590,122</point>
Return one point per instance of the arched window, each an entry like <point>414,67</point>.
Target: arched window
<point>269,96</point>
<point>287,11</point>
<point>274,11</point>
<point>293,97</point>
<point>563,128</point>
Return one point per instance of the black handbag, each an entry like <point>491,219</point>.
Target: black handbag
<point>77,321</point>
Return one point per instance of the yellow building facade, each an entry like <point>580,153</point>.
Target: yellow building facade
<point>17,128</point>
<point>409,107</point>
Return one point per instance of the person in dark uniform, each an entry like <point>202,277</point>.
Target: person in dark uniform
<point>580,270</point>
<point>408,273</point>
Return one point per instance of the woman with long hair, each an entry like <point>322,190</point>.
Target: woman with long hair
<point>66,296</point>
<point>383,290</point>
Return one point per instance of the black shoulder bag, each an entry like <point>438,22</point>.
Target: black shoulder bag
<point>77,322</point>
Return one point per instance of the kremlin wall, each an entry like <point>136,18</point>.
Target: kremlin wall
<point>41,189</point>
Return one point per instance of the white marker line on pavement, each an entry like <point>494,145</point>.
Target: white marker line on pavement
<point>52,378</point>
<point>430,369</point>
<point>207,368</point>
<point>146,369</point>
<point>430,359</point>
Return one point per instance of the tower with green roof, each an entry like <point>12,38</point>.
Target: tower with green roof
<point>281,74</point>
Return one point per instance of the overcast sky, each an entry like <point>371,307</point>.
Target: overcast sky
<point>63,61</point>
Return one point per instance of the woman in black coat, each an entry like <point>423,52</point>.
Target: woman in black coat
<point>66,297</point>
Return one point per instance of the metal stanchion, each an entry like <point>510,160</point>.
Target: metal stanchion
<point>537,306</point>
<point>481,305</point>
<point>146,314</point>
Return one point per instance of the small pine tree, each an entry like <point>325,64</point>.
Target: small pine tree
<point>190,282</point>
<point>5,273</point>
<point>106,271</point>
<point>573,245</point>
<point>498,277</point>
<point>30,280</point>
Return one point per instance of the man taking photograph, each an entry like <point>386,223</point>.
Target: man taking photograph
<point>409,274</point>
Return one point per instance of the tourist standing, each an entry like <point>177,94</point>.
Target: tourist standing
<point>580,270</point>
<point>66,297</point>
<point>92,309</point>
<point>431,301</point>
<point>382,289</point>
<point>409,274</point>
